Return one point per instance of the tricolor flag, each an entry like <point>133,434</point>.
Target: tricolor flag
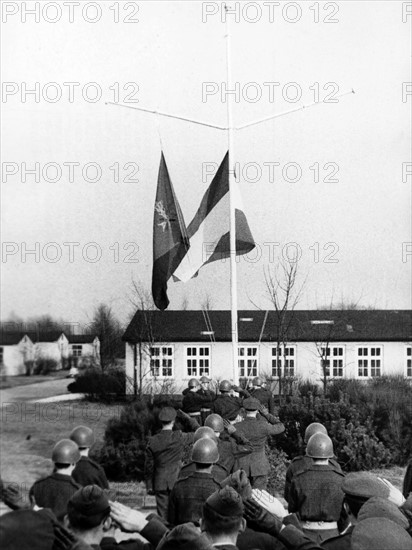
<point>209,231</point>
<point>170,241</point>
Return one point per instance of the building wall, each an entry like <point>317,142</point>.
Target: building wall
<point>58,350</point>
<point>306,356</point>
<point>14,358</point>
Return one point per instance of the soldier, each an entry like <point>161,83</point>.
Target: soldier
<point>90,517</point>
<point>264,396</point>
<point>301,463</point>
<point>87,471</point>
<point>316,493</point>
<point>194,398</point>
<point>164,453</point>
<point>257,431</point>
<point>189,494</point>
<point>55,491</point>
<point>206,407</point>
<point>231,444</point>
<point>358,488</point>
<point>226,405</point>
<point>218,470</point>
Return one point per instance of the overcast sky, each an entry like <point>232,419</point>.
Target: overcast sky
<point>332,178</point>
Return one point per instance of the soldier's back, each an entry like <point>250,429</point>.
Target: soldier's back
<point>89,472</point>
<point>189,495</point>
<point>54,492</point>
<point>227,407</point>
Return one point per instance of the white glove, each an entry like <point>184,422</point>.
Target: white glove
<point>395,494</point>
<point>269,503</point>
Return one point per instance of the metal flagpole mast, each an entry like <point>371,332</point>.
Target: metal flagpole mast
<point>232,183</point>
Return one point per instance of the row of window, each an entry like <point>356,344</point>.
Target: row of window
<point>283,361</point>
<point>76,351</point>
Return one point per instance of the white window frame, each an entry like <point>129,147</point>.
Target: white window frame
<point>162,357</point>
<point>368,356</point>
<point>408,361</point>
<point>198,363</point>
<point>245,369</point>
<point>77,348</point>
<point>288,369</point>
<point>335,360</point>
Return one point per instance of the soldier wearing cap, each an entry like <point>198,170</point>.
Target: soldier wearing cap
<point>93,519</point>
<point>189,493</point>
<point>196,397</point>
<point>218,470</point>
<point>358,488</point>
<point>87,471</point>
<point>222,518</point>
<point>206,407</point>
<point>302,463</point>
<point>164,453</point>
<point>55,491</point>
<point>316,493</point>
<point>257,430</point>
<point>226,405</point>
<point>231,444</point>
<point>263,395</point>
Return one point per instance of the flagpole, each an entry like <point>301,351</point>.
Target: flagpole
<point>232,183</point>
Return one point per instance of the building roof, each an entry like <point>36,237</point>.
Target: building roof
<point>81,338</point>
<point>256,325</point>
<point>10,338</point>
<point>44,336</point>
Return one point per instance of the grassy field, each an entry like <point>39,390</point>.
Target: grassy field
<point>7,382</point>
<point>30,430</point>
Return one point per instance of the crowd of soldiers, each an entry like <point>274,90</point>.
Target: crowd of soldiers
<point>218,497</point>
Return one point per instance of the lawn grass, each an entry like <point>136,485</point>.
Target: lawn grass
<point>7,382</point>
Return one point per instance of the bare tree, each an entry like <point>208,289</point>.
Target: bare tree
<point>145,335</point>
<point>105,325</point>
<point>284,292</point>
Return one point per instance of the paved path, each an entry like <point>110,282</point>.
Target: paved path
<point>36,391</point>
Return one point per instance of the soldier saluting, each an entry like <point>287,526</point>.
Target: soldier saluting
<point>87,471</point>
<point>164,453</point>
<point>257,430</point>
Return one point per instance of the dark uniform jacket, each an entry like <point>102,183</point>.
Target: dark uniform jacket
<point>341,542</point>
<point>164,454</point>
<point>407,481</point>
<point>188,497</point>
<point>193,401</point>
<point>231,448</point>
<point>54,492</point>
<point>227,406</point>
<point>265,397</point>
<point>89,472</point>
<point>257,432</point>
<point>254,539</point>
<point>219,472</point>
<point>300,464</point>
<point>316,494</point>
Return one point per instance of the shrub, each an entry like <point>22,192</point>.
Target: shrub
<point>100,386</point>
<point>278,464</point>
<point>45,366</point>
<point>123,453</point>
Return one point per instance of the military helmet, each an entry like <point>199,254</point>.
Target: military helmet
<point>215,421</point>
<point>65,451</point>
<point>320,446</point>
<point>83,436</point>
<point>314,428</point>
<point>204,380</point>
<point>193,383</point>
<point>205,451</point>
<point>257,381</point>
<point>205,431</point>
<point>225,385</point>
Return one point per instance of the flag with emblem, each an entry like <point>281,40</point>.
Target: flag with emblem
<point>209,231</point>
<point>170,241</point>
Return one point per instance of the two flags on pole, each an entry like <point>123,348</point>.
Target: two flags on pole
<point>182,252</point>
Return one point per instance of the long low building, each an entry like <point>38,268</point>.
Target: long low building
<point>170,347</point>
